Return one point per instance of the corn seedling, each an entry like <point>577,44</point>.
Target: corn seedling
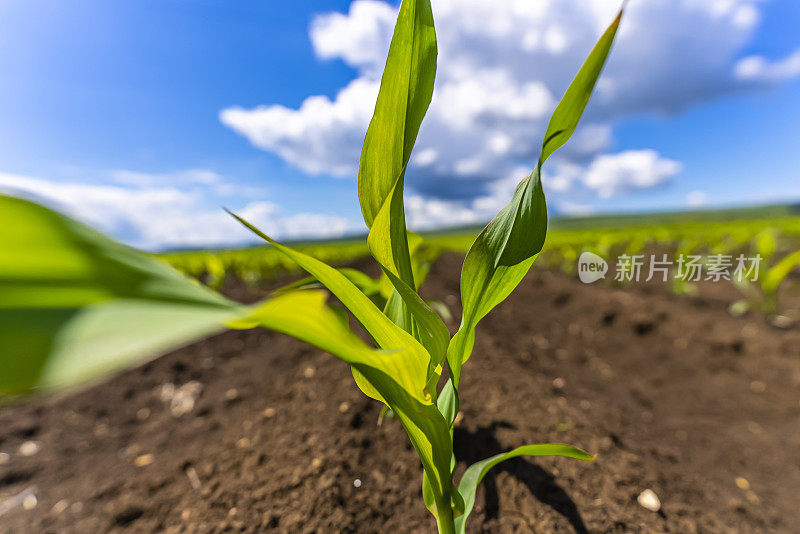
<point>77,305</point>
<point>762,293</point>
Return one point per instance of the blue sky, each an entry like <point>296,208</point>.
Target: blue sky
<point>144,117</point>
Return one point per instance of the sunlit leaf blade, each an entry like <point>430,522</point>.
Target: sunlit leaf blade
<point>388,244</point>
<point>447,401</point>
<point>427,326</point>
<point>397,376</point>
<point>475,473</point>
<point>404,96</point>
<point>568,113</point>
<point>425,425</point>
<point>505,250</point>
<point>303,314</point>
<point>76,305</point>
<point>779,272</point>
<point>368,285</point>
<point>422,257</point>
<point>385,333</point>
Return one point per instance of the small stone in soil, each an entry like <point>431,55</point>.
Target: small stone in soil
<point>29,502</point>
<point>60,506</point>
<point>742,483</point>
<point>357,483</point>
<point>309,372</point>
<point>144,460</point>
<point>343,407</point>
<point>269,413</point>
<point>782,321</point>
<point>649,500</point>
<point>29,448</point>
<point>194,480</point>
<point>4,458</point>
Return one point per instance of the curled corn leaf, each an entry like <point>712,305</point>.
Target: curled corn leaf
<point>475,473</point>
<point>505,250</point>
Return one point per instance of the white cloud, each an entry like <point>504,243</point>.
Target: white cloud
<point>759,69</point>
<point>153,214</point>
<point>323,135</point>
<point>425,213</point>
<point>354,36</point>
<point>605,176</point>
<point>575,209</point>
<point>696,199</point>
<point>502,67</point>
<point>611,174</point>
<point>191,176</point>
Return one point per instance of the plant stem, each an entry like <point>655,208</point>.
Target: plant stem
<point>446,526</point>
<point>444,519</point>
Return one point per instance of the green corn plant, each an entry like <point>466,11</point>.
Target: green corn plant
<point>77,305</point>
<point>762,293</point>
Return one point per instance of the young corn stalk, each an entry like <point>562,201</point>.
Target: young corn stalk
<point>77,305</point>
<point>761,292</point>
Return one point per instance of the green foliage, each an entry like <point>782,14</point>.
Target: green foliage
<point>506,249</point>
<point>77,305</point>
<point>475,473</point>
<point>495,264</point>
<point>762,293</point>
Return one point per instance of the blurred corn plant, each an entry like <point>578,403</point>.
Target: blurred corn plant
<point>76,305</point>
<point>761,290</point>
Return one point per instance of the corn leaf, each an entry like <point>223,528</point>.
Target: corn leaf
<point>427,326</point>
<point>386,334</point>
<point>369,286</point>
<point>425,425</point>
<point>779,272</point>
<point>76,305</point>
<point>505,250</point>
<point>404,97</point>
<point>303,314</point>
<point>475,473</point>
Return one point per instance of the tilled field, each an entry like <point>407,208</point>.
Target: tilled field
<point>253,432</point>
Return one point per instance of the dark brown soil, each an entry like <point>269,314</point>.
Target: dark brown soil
<point>673,395</point>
